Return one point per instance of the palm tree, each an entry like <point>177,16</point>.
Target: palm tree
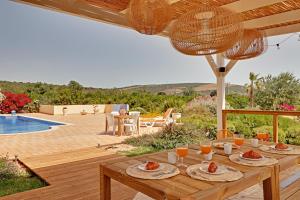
<point>255,83</point>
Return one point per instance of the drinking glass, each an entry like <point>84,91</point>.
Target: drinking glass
<point>239,140</point>
<point>181,151</point>
<point>262,136</point>
<point>205,147</point>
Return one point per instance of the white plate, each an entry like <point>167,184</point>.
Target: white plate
<point>220,170</point>
<point>288,149</point>
<point>143,167</point>
<point>241,156</point>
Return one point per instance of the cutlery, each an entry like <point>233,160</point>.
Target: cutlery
<point>199,174</point>
<point>165,172</point>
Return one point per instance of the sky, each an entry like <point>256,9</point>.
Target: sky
<point>46,46</point>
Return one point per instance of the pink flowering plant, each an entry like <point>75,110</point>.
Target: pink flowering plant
<point>287,107</point>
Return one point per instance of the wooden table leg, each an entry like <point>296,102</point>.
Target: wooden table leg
<point>119,127</point>
<point>271,185</point>
<point>105,186</point>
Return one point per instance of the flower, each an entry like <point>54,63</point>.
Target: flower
<point>286,107</point>
<point>14,102</point>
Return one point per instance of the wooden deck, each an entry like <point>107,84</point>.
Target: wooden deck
<point>75,175</point>
<point>71,175</point>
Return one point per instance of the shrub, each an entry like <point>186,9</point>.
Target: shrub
<point>237,101</point>
<point>7,169</point>
<point>14,102</point>
<point>293,135</point>
<point>168,138</point>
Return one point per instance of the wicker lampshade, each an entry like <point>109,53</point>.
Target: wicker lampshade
<point>114,5</point>
<point>206,30</point>
<point>252,44</point>
<point>149,16</point>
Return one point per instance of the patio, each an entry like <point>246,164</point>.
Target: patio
<point>83,131</point>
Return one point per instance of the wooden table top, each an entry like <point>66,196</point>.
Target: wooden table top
<point>184,187</point>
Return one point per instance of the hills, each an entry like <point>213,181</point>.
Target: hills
<point>176,88</point>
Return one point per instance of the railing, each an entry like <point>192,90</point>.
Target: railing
<point>275,115</point>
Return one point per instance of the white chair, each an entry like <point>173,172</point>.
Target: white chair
<point>131,125</point>
<point>111,121</point>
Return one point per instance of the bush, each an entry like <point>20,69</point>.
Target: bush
<point>293,135</point>
<point>237,101</point>
<point>14,102</point>
<point>168,138</point>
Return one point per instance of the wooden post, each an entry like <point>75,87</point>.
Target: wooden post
<point>271,185</point>
<point>105,185</point>
<point>224,120</point>
<point>275,128</point>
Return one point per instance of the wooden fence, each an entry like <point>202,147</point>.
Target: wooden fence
<point>274,113</point>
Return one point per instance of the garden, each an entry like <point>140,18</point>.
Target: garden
<point>15,178</point>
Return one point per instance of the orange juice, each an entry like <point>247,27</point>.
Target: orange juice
<point>239,141</point>
<point>261,136</point>
<point>205,149</point>
<point>182,151</point>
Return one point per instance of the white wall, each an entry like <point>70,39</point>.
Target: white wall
<point>72,109</point>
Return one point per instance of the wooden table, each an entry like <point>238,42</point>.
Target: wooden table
<point>184,187</point>
<point>121,119</point>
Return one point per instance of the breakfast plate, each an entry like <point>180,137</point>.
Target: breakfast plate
<point>143,167</point>
<point>273,148</point>
<point>220,145</point>
<point>220,170</point>
<point>252,159</point>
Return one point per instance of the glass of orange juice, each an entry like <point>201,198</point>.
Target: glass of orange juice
<point>262,136</point>
<point>239,140</point>
<point>205,147</point>
<point>181,152</point>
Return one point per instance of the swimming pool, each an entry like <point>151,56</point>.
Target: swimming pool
<point>21,124</point>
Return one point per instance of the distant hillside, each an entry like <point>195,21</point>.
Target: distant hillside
<point>176,88</point>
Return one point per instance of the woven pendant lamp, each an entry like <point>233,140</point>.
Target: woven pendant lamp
<point>206,30</point>
<point>114,5</point>
<point>149,16</point>
<point>252,44</point>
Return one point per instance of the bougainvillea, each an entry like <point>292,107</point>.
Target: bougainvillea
<point>14,102</point>
<point>286,107</point>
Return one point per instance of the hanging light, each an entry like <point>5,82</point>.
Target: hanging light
<point>299,37</point>
<point>252,44</point>
<point>149,16</point>
<point>206,30</point>
<point>278,46</point>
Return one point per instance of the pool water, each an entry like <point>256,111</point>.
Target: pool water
<point>20,124</point>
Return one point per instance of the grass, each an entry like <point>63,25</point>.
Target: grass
<point>19,184</point>
<point>14,178</point>
<point>139,151</point>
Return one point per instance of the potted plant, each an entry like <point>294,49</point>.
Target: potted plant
<point>65,110</point>
<point>95,109</point>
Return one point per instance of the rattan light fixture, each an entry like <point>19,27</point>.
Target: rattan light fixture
<point>206,30</point>
<point>252,44</point>
<point>149,16</point>
<point>114,5</point>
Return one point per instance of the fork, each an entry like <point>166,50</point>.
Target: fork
<point>170,171</point>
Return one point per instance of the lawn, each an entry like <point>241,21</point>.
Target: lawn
<point>14,178</point>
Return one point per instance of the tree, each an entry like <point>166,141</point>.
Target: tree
<point>2,96</point>
<point>278,90</point>
<point>255,83</point>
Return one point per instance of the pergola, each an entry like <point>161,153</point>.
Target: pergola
<point>274,17</point>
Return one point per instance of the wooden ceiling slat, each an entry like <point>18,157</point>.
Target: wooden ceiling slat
<point>262,14</point>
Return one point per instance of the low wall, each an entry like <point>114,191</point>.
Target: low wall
<point>77,109</point>
<point>71,109</point>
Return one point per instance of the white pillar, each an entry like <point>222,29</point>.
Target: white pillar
<point>220,91</point>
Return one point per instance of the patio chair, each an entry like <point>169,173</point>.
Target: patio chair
<point>111,122</point>
<point>131,125</point>
<point>160,120</point>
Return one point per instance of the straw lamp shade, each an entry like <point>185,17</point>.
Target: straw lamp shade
<point>114,5</point>
<point>149,16</point>
<point>206,30</point>
<point>252,44</point>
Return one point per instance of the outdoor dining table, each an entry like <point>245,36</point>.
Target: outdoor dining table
<point>184,187</point>
<point>120,119</point>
